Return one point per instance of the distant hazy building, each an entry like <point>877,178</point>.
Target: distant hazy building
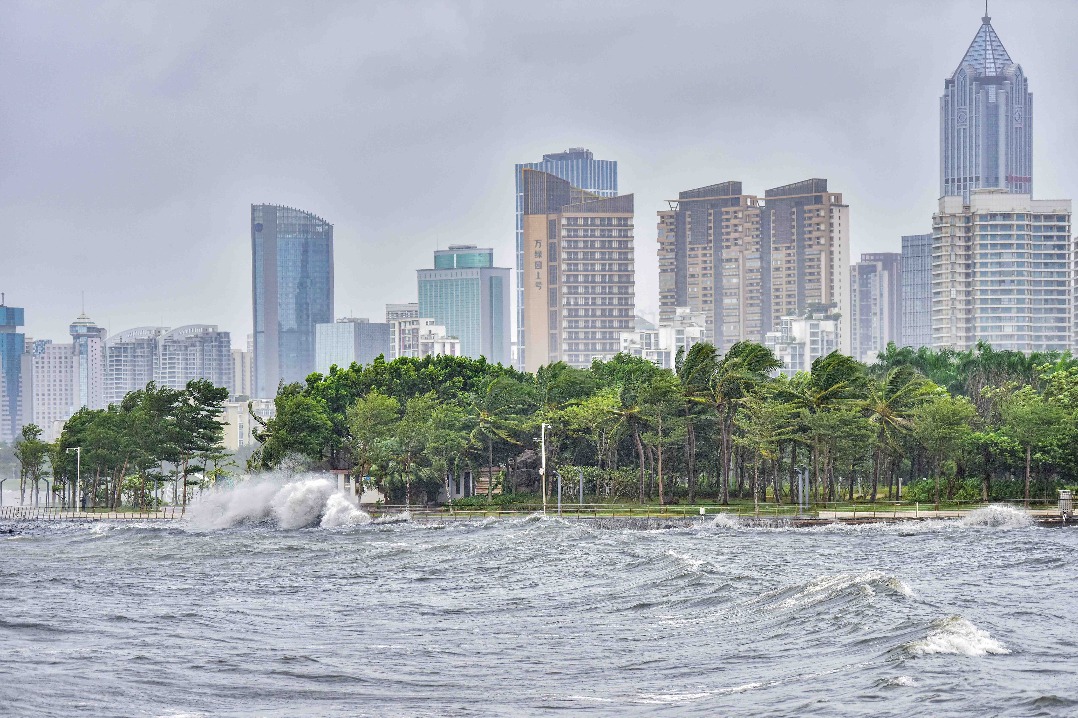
<point>52,386</point>
<point>799,341</point>
<point>660,344</point>
<point>916,291</point>
<point>292,253</point>
<point>239,427</point>
<point>12,349</point>
<point>467,294</point>
<point>419,337</point>
<point>710,262</point>
<point>195,351</point>
<point>243,371</point>
<point>579,167</point>
<point>350,340</point>
<point>986,121</point>
<point>408,310</point>
<point>580,282</point>
<point>88,359</point>
<point>130,361</point>
<point>1002,272</point>
<point>876,303</point>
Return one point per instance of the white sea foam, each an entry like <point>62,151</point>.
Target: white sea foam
<point>724,521</point>
<point>955,635</point>
<point>998,516</point>
<point>824,588</point>
<point>690,561</point>
<point>904,681</point>
<point>294,503</point>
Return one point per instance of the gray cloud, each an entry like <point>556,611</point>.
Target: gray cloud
<point>134,136</point>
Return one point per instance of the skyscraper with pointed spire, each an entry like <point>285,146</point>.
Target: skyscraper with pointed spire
<point>986,121</point>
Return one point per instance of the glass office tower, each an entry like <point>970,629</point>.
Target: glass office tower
<point>469,296</point>
<point>12,348</point>
<point>580,168</point>
<point>292,268</point>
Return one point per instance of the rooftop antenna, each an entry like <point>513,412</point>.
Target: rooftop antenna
<point>3,296</point>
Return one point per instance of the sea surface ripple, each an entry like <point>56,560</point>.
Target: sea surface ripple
<point>538,616</point>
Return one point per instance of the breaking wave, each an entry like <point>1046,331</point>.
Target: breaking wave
<point>825,588</point>
<point>298,503</point>
<point>998,516</point>
<point>957,636</point>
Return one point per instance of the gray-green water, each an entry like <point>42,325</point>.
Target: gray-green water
<point>233,615</point>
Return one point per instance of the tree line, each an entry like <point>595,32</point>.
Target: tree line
<point>946,425</point>
<point>127,454</point>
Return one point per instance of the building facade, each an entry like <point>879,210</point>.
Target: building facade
<point>799,341</point>
<point>579,167</point>
<point>292,265</point>
<point>916,291</point>
<point>243,372</point>
<point>12,364</point>
<point>580,283</point>
<point>747,263</point>
<point>660,344</point>
<point>52,386</point>
<point>710,262</point>
<point>350,340</point>
<point>419,337</point>
<point>986,121</point>
<point>875,303</point>
<point>130,361</point>
<point>195,351</point>
<point>1002,272</point>
<point>468,295</point>
<point>88,356</point>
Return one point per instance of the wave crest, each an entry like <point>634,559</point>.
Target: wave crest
<point>957,636</point>
<point>998,516</point>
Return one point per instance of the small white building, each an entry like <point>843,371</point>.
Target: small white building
<point>660,344</point>
<point>799,341</point>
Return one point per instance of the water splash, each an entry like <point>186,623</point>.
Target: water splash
<point>997,516</point>
<point>724,521</point>
<point>957,636</point>
<point>287,503</point>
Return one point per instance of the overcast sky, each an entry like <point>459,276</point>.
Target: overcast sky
<point>135,136</point>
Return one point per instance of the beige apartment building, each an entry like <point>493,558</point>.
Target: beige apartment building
<point>747,263</point>
<point>579,272</point>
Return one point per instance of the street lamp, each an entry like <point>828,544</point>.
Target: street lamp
<point>542,467</point>
<point>78,477</point>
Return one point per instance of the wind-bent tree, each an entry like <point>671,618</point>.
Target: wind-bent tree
<point>32,454</point>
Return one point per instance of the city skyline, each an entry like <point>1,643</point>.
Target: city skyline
<point>842,140</point>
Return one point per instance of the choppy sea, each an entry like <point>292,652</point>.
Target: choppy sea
<point>280,598</point>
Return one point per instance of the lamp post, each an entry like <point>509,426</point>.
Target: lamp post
<point>542,467</point>
<point>78,478</point>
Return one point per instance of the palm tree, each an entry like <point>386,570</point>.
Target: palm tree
<point>890,404</point>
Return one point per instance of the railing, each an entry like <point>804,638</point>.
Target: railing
<point>32,513</point>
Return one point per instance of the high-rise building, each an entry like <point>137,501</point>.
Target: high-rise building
<point>1002,272</point>
<point>709,262</point>
<point>580,283</point>
<point>876,303</point>
<point>986,121</point>
<point>195,351</point>
<point>468,295</point>
<point>292,254</point>
<point>579,167</point>
<point>805,232</point>
<point>52,386</point>
<point>917,291</point>
<point>350,340</point>
<point>419,337</point>
<point>12,349</point>
<point>130,361</point>
<point>408,310</point>
<point>748,263</point>
<point>660,344</point>
<point>88,353</point>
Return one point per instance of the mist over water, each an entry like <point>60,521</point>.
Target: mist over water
<point>280,597</point>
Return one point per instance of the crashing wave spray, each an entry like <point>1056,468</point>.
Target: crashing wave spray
<point>957,636</point>
<point>998,516</point>
<point>294,503</point>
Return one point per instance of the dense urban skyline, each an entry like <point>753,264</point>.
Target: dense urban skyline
<point>150,146</point>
